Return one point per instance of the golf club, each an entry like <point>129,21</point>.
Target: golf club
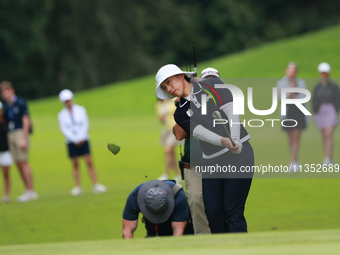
<point>195,66</point>
<point>217,115</point>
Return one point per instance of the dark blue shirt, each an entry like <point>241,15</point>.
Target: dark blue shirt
<point>15,112</point>
<point>180,213</point>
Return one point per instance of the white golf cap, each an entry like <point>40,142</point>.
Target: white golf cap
<point>324,68</point>
<point>65,94</point>
<point>210,71</point>
<point>164,73</point>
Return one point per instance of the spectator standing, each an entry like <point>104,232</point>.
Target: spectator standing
<point>293,112</point>
<point>19,127</point>
<point>74,125</point>
<point>326,105</point>
<point>165,112</point>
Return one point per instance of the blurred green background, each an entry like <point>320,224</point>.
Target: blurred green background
<point>48,45</point>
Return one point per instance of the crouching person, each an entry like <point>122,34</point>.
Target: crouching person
<point>164,207</point>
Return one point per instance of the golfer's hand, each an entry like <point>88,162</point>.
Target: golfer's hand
<point>23,144</point>
<point>225,141</point>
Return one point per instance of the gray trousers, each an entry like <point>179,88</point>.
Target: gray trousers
<point>193,184</point>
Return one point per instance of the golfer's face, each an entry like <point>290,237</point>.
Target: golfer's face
<point>174,85</point>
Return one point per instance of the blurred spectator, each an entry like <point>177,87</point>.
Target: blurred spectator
<point>5,154</point>
<point>19,127</point>
<point>74,126</point>
<point>210,73</point>
<point>165,111</point>
<point>326,105</point>
<point>293,112</point>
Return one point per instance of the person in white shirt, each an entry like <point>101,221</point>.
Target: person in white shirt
<point>74,125</point>
<point>295,120</point>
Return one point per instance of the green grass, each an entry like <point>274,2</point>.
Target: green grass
<point>124,114</point>
<point>286,242</point>
<point>270,60</point>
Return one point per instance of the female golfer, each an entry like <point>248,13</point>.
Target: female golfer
<point>224,191</point>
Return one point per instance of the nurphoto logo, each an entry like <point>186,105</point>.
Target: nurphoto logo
<point>238,104</point>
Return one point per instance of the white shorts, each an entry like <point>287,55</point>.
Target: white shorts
<point>6,158</point>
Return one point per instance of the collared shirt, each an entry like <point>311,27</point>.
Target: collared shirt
<point>15,112</point>
<point>188,115</point>
<point>74,125</point>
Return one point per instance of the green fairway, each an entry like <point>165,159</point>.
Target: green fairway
<point>289,242</point>
<point>270,60</point>
<point>124,114</point>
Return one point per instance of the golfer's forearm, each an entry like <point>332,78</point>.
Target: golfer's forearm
<point>179,132</point>
<point>205,135</point>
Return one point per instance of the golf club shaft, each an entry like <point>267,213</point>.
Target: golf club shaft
<point>195,67</point>
<point>217,115</point>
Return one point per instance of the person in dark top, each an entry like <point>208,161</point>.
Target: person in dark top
<point>326,105</point>
<point>164,207</point>
<point>19,128</point>
<point>5,154</point>
<point>224,194</point>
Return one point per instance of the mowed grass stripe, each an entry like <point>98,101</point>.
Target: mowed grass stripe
<point>286,242</point>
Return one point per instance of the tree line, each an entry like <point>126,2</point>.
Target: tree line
<point>48,45</point>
